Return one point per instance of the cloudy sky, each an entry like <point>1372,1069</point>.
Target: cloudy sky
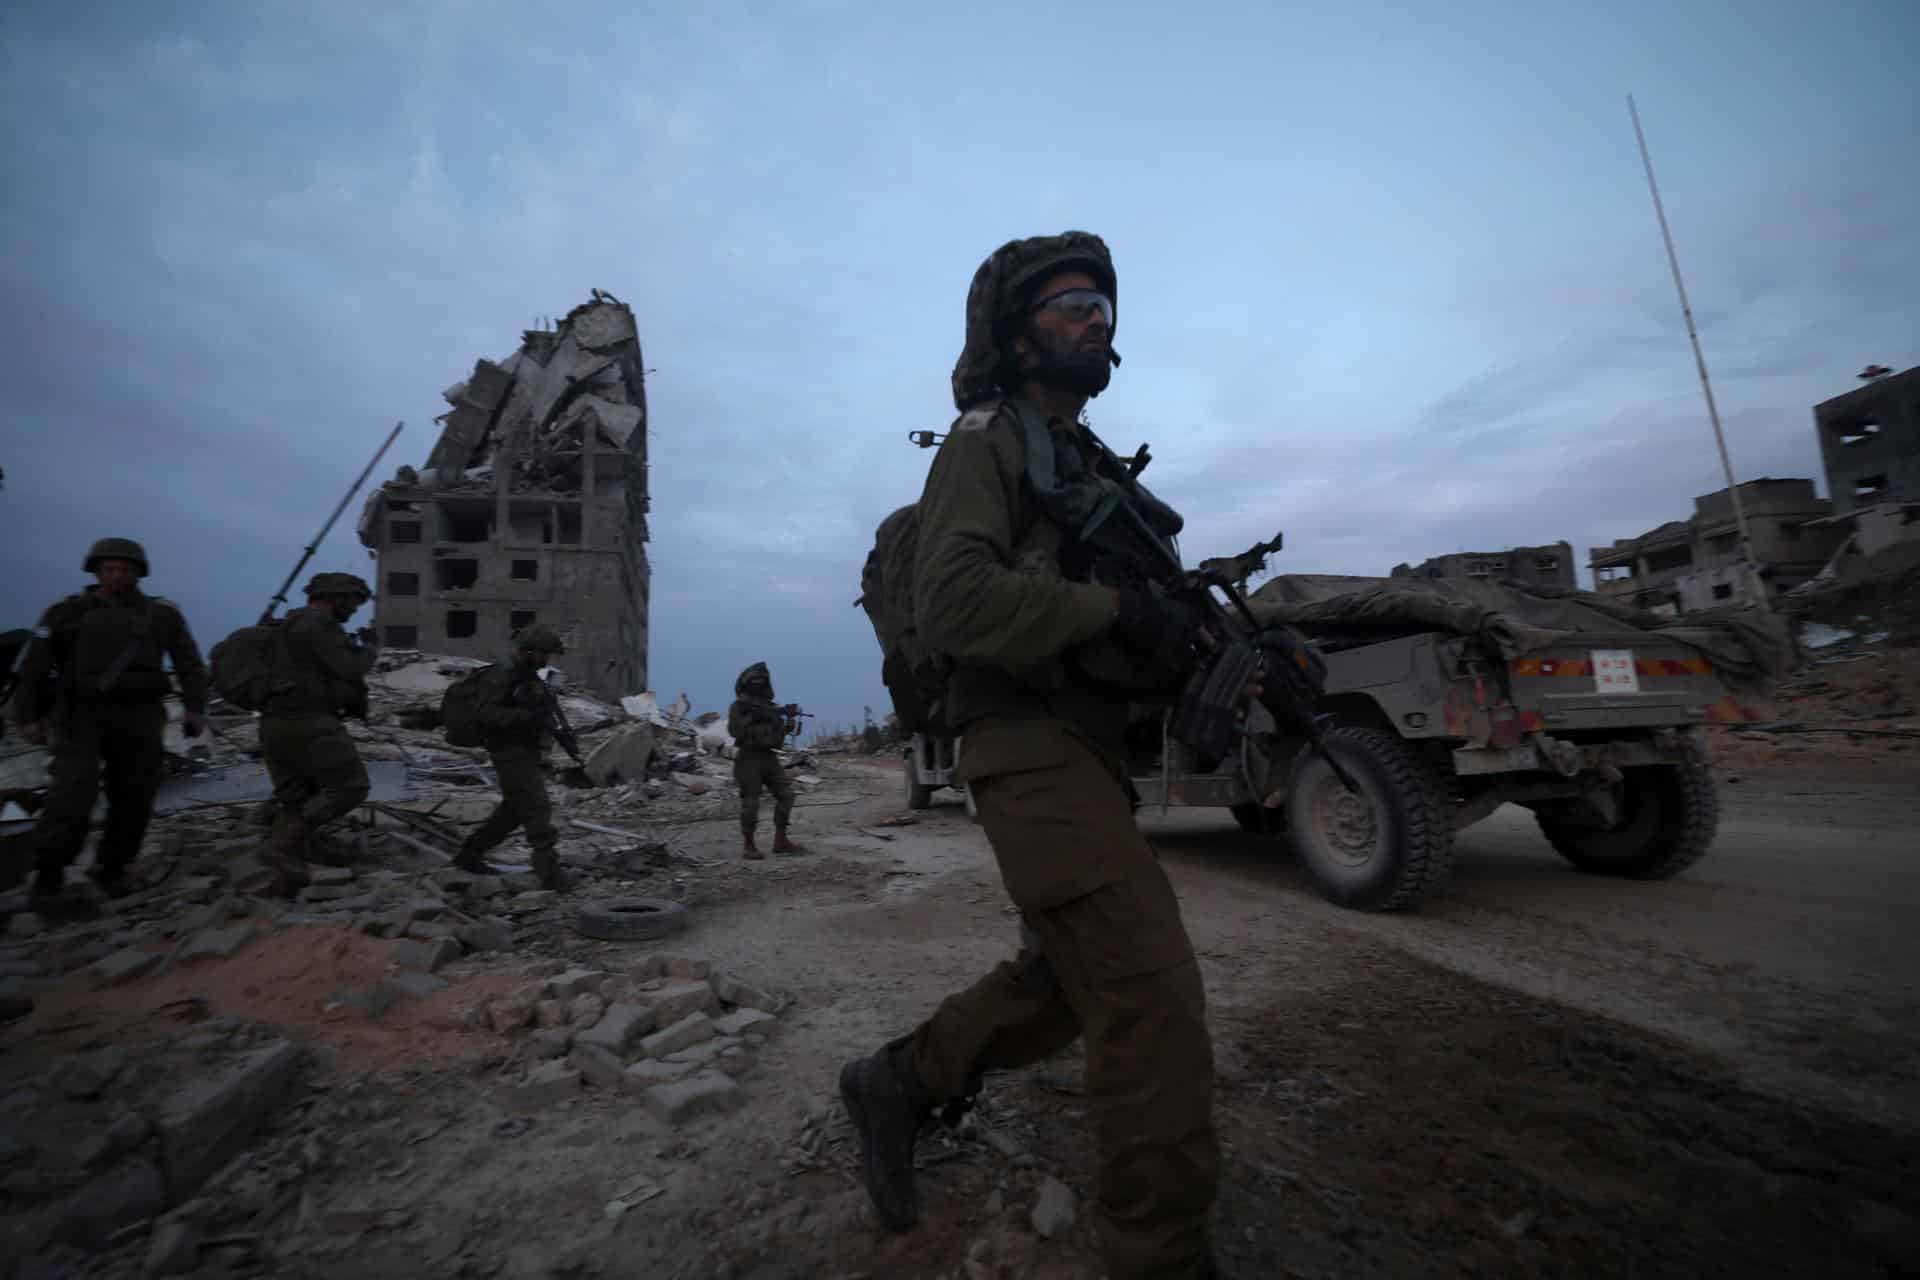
<point>1390,278</point>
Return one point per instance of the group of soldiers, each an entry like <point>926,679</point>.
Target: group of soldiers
<point>91,685</point>
<point>1029,634</point>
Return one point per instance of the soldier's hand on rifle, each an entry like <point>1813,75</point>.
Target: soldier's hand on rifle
<point>1168,633</point>
<point>368,637</point>
<point>35,731</point>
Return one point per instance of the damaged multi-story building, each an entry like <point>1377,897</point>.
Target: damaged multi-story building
<point>531,508</point>
<point>1546,566</point>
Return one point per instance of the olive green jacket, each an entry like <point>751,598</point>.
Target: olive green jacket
<point>91,647</point>
<point>989,593</point>
<point>320,670</point>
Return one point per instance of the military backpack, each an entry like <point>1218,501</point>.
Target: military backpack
<point>241,667</point>
<point>460,709</point>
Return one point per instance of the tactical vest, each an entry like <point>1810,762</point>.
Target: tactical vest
<point>112,652</point>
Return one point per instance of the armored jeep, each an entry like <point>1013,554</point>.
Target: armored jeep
<point>1446,699</point>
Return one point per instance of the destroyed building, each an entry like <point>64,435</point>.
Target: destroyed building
<point>531,508</point>
<point>1547,566</point>
<point>1870,444</point>
<point>1687,565</point>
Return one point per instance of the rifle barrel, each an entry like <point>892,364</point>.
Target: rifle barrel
<point>280,596</point>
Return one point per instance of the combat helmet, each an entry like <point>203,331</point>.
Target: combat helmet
<point>339,584</point>
<point>1002,286</point>
<point>538,639</point>
<point>756,679</point>
<point>117,549</point>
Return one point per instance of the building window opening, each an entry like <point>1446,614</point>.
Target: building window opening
<point>403,531</point>
<point>456,575</point>
<point>403,584</point>
<point>1855,434</point>
<point>472,524</point>
<point>1477,569</point>
<point>1671,558</point>
<point>569,530</point>
<point>526,570</point>
<point>1722,591</point>
<point>1546,564</point>
<point>1723,543</point>
<point>462,624</point>
<point>1869,486</point>
<point>403,637</point>
<point>520,619</point>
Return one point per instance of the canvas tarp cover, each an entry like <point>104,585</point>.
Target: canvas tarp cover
<point>1747,647</point>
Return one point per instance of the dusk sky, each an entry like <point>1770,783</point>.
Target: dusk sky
<point>1390,279</point>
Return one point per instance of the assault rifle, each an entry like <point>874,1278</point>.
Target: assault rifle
<point>794,716</point>
<point>1207,716</point>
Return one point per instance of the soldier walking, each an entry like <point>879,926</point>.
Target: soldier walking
<point>759,726</point>
<point>1045,651</point>
<point>517,729</point>
<point>92,683</point>
<point>319,680</point>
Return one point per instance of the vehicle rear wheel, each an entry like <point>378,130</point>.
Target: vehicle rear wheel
<point>1384,847</point>
<point>1668,815</point>
<point>918,795</point>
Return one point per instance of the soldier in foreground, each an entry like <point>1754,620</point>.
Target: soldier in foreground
<point>92,682</point>
<point>517,727</point>
<point>319,680</point>
<point>1044,656</point>
<point>759,726</point>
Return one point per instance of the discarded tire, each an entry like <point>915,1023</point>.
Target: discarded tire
<point>630,919</point>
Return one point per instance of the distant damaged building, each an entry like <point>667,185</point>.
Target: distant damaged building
<point>1547,566</point>
<point>532,508</point>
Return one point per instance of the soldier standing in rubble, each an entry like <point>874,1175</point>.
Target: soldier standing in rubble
<point>319,680</point>
<point>92,682</point>
<point>759,726</point>
<point>1041,656</point>
<point>517,730</point>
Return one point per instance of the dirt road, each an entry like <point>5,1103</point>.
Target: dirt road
<point>1539,1073</point>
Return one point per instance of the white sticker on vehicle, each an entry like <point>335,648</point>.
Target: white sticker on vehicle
<point>1613,671</point>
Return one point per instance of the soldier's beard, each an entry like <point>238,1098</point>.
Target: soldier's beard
<point>1081,371</point>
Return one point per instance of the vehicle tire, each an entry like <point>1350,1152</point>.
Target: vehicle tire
<point>1255,818</point>
<point>1668,817</point>
<point>1387,846</point>
<point>918,795</point>
<point>630,919</point>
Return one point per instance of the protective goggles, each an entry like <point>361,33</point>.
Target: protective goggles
<point>1079,305</point>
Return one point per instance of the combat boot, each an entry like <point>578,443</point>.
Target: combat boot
<point>748,849</point>
<point>783,845</point>
<point>52,902</point>
<point>111,881</point>
<point>284,854</point>
<point>887,1103</point>
<point>546,865</point>
<point>474,862</point>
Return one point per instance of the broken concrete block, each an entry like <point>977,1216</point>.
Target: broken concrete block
<point>622,756</point>
<point>585,1010</point>
<point>24,924</point>
<point>676,999</point>
<point>509,1015</point>
<point>619,1029</point>
<point>427,908</point>
<point>219,943</point>
<point>388,924</point>
<point>549,1013</point>
<point>213,1115</point>
<point>488,933</point>
<point>321,876</point>
<point>547,1085</point>
<point>369,1002</point>
<point>736,992</point>
<point>601,1066</point>
<point>734,1060</point>
<point>691,1029</point>
<point>485,886</point>
<point>695,786</point>
<point>428,930</point>
<point>648,1072</point>
<point>695,1055</point>
<point>675,967</point>
<point>124,966</point>
<point>575,982</point>
<point>410,982</point>
<point>327,892</point>
<point>551,1042</point>
<point>1053,1210</point>
<point>103,1206</point>
<point>681,1101</point>
<point>427,957</point>
<point>534,900</point>
<point>743,1020</point>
